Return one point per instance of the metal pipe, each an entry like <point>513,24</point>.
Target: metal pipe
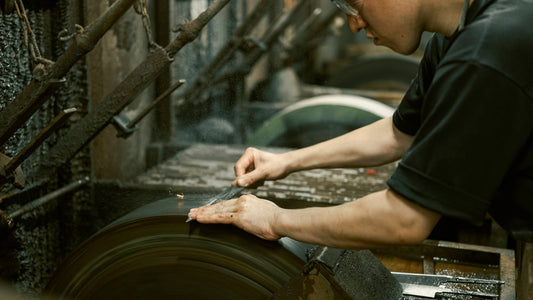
<point>51,196</point>
<point>42,87</point>
<point>87,128</point>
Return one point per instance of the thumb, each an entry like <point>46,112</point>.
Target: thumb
<point>249,178</point>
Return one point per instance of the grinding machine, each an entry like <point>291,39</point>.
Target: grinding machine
<point>152,253</point>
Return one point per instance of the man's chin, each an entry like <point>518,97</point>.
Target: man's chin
<point>401,50</point>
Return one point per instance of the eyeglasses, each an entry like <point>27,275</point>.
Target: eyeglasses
<point>346,8</point>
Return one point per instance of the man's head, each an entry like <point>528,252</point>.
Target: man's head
<point>391,23</point>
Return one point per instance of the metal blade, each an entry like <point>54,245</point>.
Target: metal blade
<point>429,285</point>
<point>437,280</point>
<point>428,291</point>
<point>227,194</point>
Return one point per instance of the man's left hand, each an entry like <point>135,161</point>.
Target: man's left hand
<point>254,215</point>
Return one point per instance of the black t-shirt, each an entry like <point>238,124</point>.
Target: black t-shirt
<point>470,109</point>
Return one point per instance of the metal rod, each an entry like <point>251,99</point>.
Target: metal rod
<point>21,193</point>
<point>155,102</point>
<point>269,38</point>
<point>305,27</point>
<point>87,128</point>
<point>51,196</point>
<point>190,30</point>
<point>58,121</point>
<point>301,44</point>
<point>7,195</point>
<point>226,53</point>
<point>40,89</point>
<point>273,34</point>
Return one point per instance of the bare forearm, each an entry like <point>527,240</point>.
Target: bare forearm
<point>372,145</point>
<point>379,219</point>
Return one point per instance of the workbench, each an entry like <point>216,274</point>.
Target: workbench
<point>209,168</point>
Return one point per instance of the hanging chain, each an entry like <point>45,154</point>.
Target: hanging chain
<point>140,8</point>
<point>29,36</point>
<point>64,35</point>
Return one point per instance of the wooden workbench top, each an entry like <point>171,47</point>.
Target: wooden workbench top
<point>209,168</point>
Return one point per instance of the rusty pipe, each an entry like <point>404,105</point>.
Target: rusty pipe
<point>7,220</point>
<point>48,197</point>
<point>42,87</point>
<point>87,128</point>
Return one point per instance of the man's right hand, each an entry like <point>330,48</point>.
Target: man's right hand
<point>255,166</point>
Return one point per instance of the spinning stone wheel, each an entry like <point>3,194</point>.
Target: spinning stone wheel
<point>152,253</point>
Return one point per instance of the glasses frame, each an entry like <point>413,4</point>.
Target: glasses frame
<point>346,8</point>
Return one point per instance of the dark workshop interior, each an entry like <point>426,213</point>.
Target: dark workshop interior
<point>118,116</point>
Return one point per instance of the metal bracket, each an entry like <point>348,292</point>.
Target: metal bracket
<point>251,43</point>
<point>16,177</point>
<point>125,127</point>
<point>343,274</point>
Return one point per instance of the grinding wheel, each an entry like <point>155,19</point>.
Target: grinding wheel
<point>317,119</point>
<point>152,253</point>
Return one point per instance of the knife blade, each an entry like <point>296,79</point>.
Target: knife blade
<point>437,280</point>
<point>428,285</point>
<point>227,194</point>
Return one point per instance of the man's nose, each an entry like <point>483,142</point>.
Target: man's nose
<point>356,23</point>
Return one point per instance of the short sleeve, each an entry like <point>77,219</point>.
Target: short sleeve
<point>407,115</point>
<point>472,122</point>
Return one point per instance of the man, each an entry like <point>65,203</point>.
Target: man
<point>464,133</point>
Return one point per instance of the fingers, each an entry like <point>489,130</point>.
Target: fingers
<point>254,215</point>
<point>252,179</point>
<point>245,163</point>
<point>247,171</point>
<point>223,212</point>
